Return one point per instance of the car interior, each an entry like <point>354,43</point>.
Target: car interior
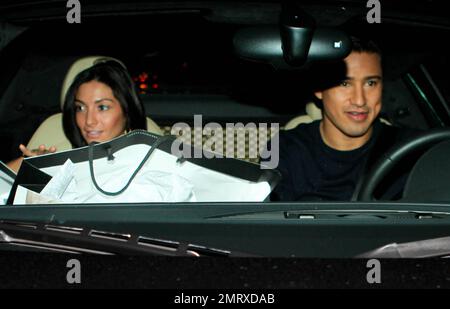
<point>254,92</point>
<point>50,132</point>
<point>224,62</point>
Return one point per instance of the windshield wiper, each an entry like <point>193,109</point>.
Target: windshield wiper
<point>78,240</point>
<point>332,214</point>
<point>436,247</point>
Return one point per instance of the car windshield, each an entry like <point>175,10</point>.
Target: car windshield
<point>225,68</point>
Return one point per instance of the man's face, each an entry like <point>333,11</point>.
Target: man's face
<point>351,107</point>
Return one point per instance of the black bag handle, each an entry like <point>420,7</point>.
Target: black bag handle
<point>156,144</point>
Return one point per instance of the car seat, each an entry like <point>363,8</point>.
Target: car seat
<point>312,113</point>
<point>50,132</point>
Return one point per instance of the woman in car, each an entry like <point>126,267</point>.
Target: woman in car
<point>100,104</point>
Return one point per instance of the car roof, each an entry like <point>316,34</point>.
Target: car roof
<point>327,13</point>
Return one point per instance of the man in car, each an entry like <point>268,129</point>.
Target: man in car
<point>324,160</point>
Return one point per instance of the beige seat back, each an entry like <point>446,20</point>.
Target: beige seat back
<point>312,113</point>
<point>50,132</point>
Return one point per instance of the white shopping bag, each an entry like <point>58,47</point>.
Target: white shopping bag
<point>161,178</point>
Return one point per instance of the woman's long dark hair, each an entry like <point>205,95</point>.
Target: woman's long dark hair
<point>114,75</point>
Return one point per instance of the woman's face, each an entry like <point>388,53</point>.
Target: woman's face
<point>98,113</point>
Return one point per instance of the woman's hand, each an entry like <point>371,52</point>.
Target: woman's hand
<point>36,152</point>
<point>15,164</point>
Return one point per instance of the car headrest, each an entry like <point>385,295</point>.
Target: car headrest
<point>312,113</point>
<point>79,66</point>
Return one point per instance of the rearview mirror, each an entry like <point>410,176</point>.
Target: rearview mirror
<point>300,46</point>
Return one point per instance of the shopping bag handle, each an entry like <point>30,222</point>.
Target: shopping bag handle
<point>156,144</point>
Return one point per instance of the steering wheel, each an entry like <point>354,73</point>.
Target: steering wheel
<point>393,156</point>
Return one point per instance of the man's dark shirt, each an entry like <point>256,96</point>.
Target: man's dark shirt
<point>311,170</point>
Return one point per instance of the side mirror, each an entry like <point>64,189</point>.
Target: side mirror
<point>291,47</point>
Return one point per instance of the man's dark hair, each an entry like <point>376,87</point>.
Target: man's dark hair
<point>362,45</point>
<point>115,76</point>
<point>329,74</point>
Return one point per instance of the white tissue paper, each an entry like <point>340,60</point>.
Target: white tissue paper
<point>162,179</point>
<point>148,186</point>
